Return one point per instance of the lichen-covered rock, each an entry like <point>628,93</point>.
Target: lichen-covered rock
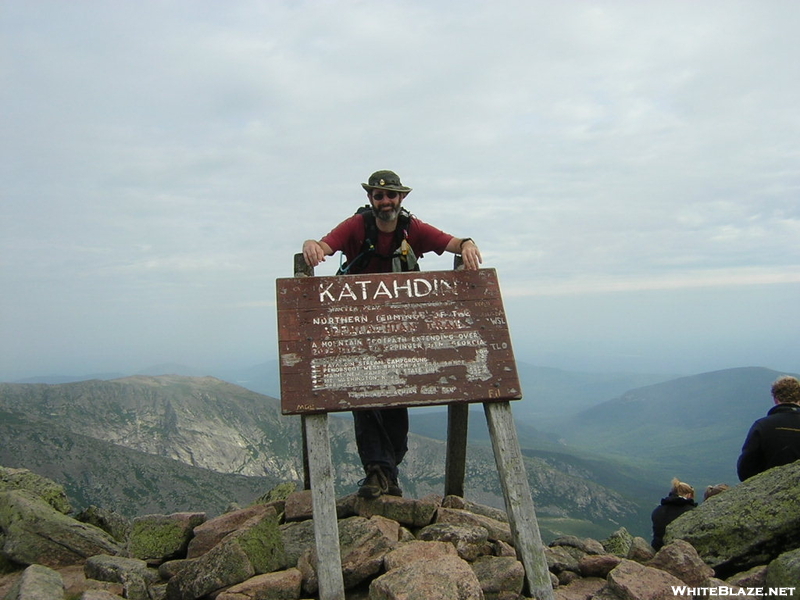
<point>750,524</point>
<point>134,574</point>
<point>36,533</point>
<point>255,549</point>
<point>111,522</point>
<point>158,538</point>
<point>278,494</point>
<point>298,537</point>
<point>210,533</point>
<point>37,582</point>
<point>46,489</point>
<point>784,571</point>
<point>618,543</point>
<point>755,577</point>
<point>225,565</point>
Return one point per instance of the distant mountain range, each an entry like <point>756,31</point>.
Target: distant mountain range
<point>599,455</point>
<point>691,427</point>
<point>86,435</point>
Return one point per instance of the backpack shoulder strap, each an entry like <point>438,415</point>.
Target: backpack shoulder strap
<point>368,246</point>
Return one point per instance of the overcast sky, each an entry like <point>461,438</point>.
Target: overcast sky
<point>631,169</point>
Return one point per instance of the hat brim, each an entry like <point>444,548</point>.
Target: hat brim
<point>391,188</point>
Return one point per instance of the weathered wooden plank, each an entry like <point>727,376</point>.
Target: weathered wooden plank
<point>323,499</point>
<point>456,460</point>
<point>301,268</point>
<point>518,499</point>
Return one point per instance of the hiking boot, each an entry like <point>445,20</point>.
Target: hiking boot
<point>374,484</point>
<point>393,489</point>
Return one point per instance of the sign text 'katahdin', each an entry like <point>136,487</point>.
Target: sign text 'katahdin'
<point>367,289</point>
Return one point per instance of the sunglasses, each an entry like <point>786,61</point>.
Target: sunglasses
<point>379,195</point>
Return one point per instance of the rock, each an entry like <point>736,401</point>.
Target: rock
<point>641,551</point>
<point>560,559</point>
<point>580,589</point>
<point>784,571</point>
<point>134,574</point>
<point>297,538</point>
<point>158,538</point>
<point>408,512</point>
<point>298,506</point>
<point>599,565</point>
<point>618,543</point>
<point>36,533</point>
<point>362,546</point>
<point>479,509</point>
<point>99,595</point>
<point>503,549</point>
<point>632,581</point>
<point>585,545</point>
<point>499,576</point>
<point>278,494</point>
<point>46,489</point>
<point>681,560</point>
<point>469,540</point>
<point>755,577</point>
<point>390,529</point>
<point>749,525</point>
<point>411,552</point>
<point>210,533</point>
<point>224,565</point>
<point>281,585</point>
<point>497,530</point>
<point>255,549</point>
<point>37,583</point>
<point>109,521</point>
<point>445,578</point>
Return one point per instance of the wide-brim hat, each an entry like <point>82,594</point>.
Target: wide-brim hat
<point>385,180</point>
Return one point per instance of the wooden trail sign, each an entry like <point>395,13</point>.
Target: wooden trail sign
<point>383,340</point>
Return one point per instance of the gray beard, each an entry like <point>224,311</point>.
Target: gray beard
<point>387,216</point>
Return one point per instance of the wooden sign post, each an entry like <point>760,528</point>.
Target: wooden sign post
<point>403,339</point>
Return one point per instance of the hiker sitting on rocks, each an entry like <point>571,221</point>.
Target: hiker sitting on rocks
<point>679,500</point>
<point>774,440</point>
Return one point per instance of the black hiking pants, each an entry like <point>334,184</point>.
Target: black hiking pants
<point>382,437</point>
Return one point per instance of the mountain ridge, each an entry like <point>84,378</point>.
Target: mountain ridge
<point>194,420</point>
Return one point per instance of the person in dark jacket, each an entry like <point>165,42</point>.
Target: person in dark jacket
<point>774,440</point>
<point>679,500</point>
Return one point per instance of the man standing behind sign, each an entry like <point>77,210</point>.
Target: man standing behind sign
<point>385,238</point>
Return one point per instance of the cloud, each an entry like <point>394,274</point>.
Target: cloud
<point>178,153</point>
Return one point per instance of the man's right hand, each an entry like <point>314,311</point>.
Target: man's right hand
<point>313,252</point>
